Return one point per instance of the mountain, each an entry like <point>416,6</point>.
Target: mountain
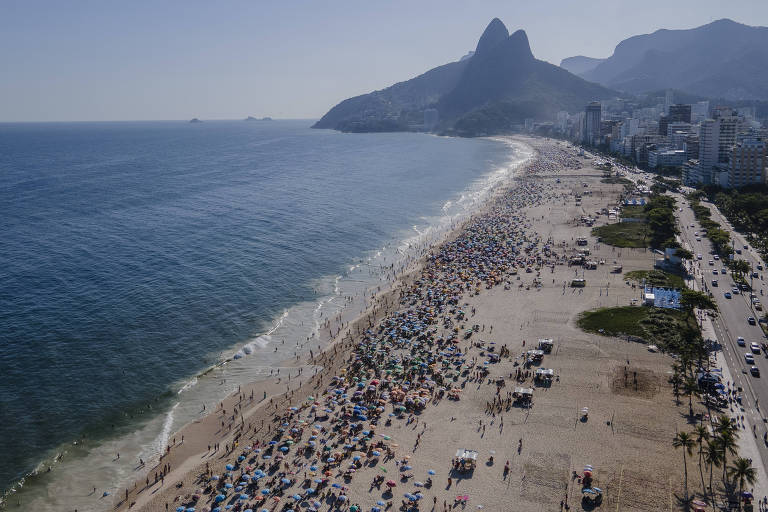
<point>722,59</point>
<point>580,64</point>
<point>489,91</point>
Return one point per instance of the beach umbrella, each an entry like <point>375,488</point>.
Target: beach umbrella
<point>230,467</point>
<point>313,468</point>
<point>380,503</point>
<point>407,468</point>
<point>342,498</point>
<point>418,484</point>
<point>331,459</point>
<point>265,491</point>
<point>267,457</point>
<point>220,498</point>
<point>318,480</point>
<point>228,485</point>
<point>356,457</point>
<point>376,453</point>
<point>285,481</point>
<point>244,496</point>
<point>191,509</point>
<point>391,483</point>
<point>296,497</point>
<point>310,490</point>
<point>240,458</point>
<point>180,509</point>
<point>217,509</point>
<point>375,509</point>
<point>283,448</point>
<point>337,486</point>
<point>431,471</point>
<point>215,477</point>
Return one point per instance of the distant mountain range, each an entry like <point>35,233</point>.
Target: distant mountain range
<point>486,92</point>
<point>722,59</point>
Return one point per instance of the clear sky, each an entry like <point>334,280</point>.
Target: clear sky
<point>178,59</point>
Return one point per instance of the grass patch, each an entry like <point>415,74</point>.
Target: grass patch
<point>623,234</point>
<point>656,278</point>
<point>633,211</point>
<point>669,329</point>
<point>616,180</point>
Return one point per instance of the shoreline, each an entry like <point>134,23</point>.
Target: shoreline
<point>349,314</point>
<point>181,462</point>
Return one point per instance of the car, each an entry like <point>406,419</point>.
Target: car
<point>735,290</point>
<point>727,295</point>
<point>754,347</point>
<point>759,267</point>
<point>698,239</point>
<point>751,320</point>
<point>755,371</point>
<point>698,256</point>
<point>740,342</point>
<point>738,251</point>
<point>746,247</point>
<point>749,358</point>
<point>714,282</point>
<point>755,275</point>
<point>696,233</point>
<point>711,262</point>
<point>723,270</point>
<point>714,271</point>
<point>717,257</point>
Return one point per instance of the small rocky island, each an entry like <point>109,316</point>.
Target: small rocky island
<point>195,120</point>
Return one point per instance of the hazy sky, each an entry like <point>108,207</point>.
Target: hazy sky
<point>163,59</point>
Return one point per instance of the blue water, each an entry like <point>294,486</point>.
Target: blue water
<point>131,254</point>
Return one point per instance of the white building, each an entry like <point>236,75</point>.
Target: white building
<point>748,162</point>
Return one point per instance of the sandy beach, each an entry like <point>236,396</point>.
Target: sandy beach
<point>433,368</point>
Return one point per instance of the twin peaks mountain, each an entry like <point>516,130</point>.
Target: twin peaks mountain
<point>490,91</point>
<point>722,59</point>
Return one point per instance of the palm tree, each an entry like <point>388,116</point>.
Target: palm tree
<point>690,389</point>
<point>685,441</point>
<point>727,435</point>
<point>701,433</point>
<point>742,471</point>
<point>713,457</point>
<point>676,380</point>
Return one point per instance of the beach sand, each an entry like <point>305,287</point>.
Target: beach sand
<point>627,437</point>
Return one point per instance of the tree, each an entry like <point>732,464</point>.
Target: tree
<point>741,267</point>
<point>690,389</point>
<point>684,254</point>
<point>692,299</point>
<point>701,434</point>
<point>713,457</point>
<point>685,441</point>
<point>742,471</point>
<point>726,439</point>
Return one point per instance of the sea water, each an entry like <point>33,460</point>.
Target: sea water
<point>148,268</point>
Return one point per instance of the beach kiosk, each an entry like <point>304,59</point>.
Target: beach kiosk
<point>544,375</point>
<point>466,460</point>
<point>523,396</point>
<point>546,344</point>
<point>649,299</point>
<point>534,356</point>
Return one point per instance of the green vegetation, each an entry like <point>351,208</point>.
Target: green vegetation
<point>656,278</point>
<point>720,238</point>
<point>657,230</point>
<point>747,211</point>
<point>670,329</point>
<point>616,180</point>
<point>623,234</point>
<point>633,212</point>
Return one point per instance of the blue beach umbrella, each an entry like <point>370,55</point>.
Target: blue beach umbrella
<point>220,498</point>
<point>431,471</point>
<point>244,496</point>
<point>265,491</point>
<point>296,497</point>
<point>283,448</point>
<point>217,509</point>
<point>180,509</point>
<point>285,481</point>
<point>228,485</point>
<point>313,468</point>
<point>230,467</point>
<point>380,503</point>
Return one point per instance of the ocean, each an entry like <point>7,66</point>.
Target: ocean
<point>137,257</point>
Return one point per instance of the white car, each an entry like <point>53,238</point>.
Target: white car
<point>714,271</point>
<point>698,256</point>
<point>740,341</point>
<point>749,358</point>
<point>754,347</point>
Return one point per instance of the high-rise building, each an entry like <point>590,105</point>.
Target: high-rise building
<point>668,99</point>
<point>748,162</point>
<point>708,143</point>
<point>663,124</point>
<point>679,113</point>
<point>592,117</point>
